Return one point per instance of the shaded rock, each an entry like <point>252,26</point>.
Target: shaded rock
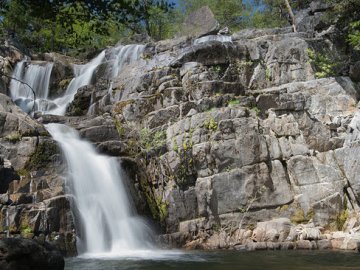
<point>355,72</point>
<point>82,101</point>
<point>29,255</point>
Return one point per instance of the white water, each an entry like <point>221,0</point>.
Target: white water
<point>125,55</point>
<point>220,38</point>
<point>110,227</point>
<point>37,77</point>
<point>108,224</point>
<point>83,76</point>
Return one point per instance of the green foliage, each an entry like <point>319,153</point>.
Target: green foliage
<point>354,35</point>
<point>341,219</point>
<point>256,110</point>
<point>233,102</point>
<point>22,172</point>
<point>75,26</point>
<point>149,140</point>
<point>210,124</point>
<point>346,15</point>
<point>42,155</point>
<point>323,65</point>
<point>273,13</point>
<point>13,137</point>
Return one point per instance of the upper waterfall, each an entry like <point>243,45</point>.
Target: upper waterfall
<point>36,77</point>
<point>125,55</point>
<point>83,76</point>
<point>32,75</point>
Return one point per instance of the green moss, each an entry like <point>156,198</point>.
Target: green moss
<point>149,140</point>
<point>216,227</point>
<point>162,209</point>
<point>118,108</point>
<point>42,155</point>
<point>119,127</point>
<point>175,145</point>
<point>256,110</point>
<point>341,219</point>
<point>268,74</point>
<point>22,172</point>
<point>64,83</point>
<point>210,124</point>
<point>233,102</point>
<point>13,137</point>
<point>298,216</point>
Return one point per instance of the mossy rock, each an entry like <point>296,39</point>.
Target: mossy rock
<point>42,156</point>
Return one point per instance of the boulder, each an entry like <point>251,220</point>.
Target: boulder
<point>82,101</point>
<point>201,22</point>
<point>28,254</point>
<point>275,230</point>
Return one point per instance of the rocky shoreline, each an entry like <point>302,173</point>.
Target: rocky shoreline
<point>277,234</point>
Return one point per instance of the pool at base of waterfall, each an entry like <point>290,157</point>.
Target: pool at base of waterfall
<point>221,260</point>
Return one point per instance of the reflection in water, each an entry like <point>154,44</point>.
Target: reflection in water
<point>226,260</point>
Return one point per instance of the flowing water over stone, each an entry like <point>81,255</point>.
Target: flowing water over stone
<point>108,221</point>
<point>220,38</point>
<point>125,55</point>
<point>83,76</point>
<point>36,77</point>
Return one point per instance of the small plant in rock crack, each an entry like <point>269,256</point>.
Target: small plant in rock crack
<point>254,198</point>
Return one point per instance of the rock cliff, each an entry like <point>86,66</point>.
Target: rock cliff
<point>226,144</point>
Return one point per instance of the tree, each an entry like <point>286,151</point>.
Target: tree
<point>62,25</point>
<point>291,14</point>
<point>277,13</point>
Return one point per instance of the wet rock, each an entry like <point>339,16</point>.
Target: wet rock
<point>29,255</point>
<point>82,101</point>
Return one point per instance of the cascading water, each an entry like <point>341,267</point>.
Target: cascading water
<point>109,226</point>
<point>83,76</point>
<point>108,221</point>
<point>36,77</point>
<point>125,55</point>
<point>220,38</point>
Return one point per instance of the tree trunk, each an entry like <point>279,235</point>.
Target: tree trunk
<point>291,14</point>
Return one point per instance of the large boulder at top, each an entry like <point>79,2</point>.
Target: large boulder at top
<point>25,254</point>
<point>201,22</point>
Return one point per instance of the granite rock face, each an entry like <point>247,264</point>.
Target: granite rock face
<point>228,144</point>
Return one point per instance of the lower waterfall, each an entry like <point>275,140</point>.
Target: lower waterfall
<point>109,225</point>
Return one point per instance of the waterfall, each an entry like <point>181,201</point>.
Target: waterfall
<point>125,55</point>
<point>107,218</point>
<point>83,76</point>
<point>220,38</point>
<point>36,77</point>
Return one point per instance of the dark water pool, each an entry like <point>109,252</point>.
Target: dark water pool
<point>267,260</point>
